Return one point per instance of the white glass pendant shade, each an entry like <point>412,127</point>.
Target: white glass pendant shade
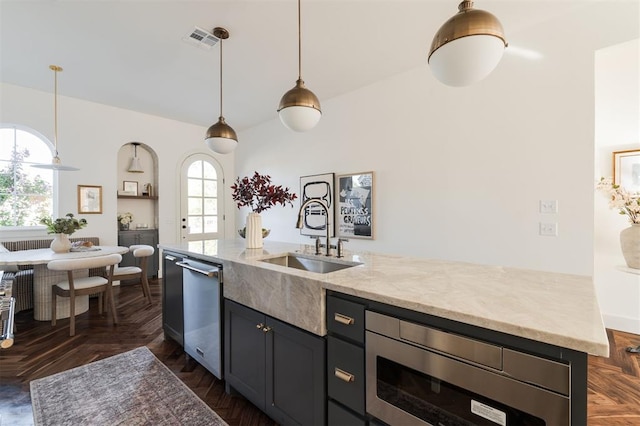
<point>468,47</point>
<point>299,108</point>
<point>56,164</point>
<point>221,138</point>
<point>466,60</point>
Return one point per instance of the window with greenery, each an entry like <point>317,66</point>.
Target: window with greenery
<point>26,193</point>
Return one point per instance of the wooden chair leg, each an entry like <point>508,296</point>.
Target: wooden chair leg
<point>145,288</point>
<point>100,302</point>
<point>54,302</point>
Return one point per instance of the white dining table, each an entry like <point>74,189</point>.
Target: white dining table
<point>44,278</point>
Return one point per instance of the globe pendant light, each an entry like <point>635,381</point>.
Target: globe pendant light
<point>56,163</point>
<point>221,138</point>
<point>467,47</point>
<point>135,166</point>
<point>299,108</point>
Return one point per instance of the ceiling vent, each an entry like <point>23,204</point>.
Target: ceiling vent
<point>201,38</point>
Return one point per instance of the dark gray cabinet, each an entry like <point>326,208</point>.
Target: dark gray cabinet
<point>172,298</point>
<point>345,361</point>
<point>140,236</point>
<point>276,366</point>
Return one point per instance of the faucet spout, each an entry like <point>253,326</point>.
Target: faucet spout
<point>324,206</point>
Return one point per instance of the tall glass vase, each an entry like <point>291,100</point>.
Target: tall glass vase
<point>253,235</point>
<point>61,243</point>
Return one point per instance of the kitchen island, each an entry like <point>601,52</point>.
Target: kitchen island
<point>521,337</point>
<point>558,309</point>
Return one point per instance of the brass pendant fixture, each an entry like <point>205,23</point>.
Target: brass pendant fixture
<point>56,163</point>
<point>467,47</point>
<point>221,138</point>
<point>299,108</point>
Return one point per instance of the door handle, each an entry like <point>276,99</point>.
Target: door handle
<point>343,375</point>
<point>343,319</point>
<point>210,273</point>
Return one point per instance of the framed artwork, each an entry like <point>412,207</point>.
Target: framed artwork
<point>319,187</point>
<point>130,187</point>
<point>355,205</point>
<point>626,169</point>
<point>89,199</point>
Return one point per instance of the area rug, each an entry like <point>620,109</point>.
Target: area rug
<point>132,388</point>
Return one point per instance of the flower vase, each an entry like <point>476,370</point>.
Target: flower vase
<point>124,226</point>
<point>61,243</point>
<point>630,244</point>
<point>253,235</point>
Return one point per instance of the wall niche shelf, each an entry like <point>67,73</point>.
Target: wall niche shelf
<point>138,197</point>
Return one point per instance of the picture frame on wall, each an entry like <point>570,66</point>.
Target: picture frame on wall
<point>626,169</point>
<point>355,205</point>
<point>89,199</point>
<point>320,187</point>
<point>130,187</point>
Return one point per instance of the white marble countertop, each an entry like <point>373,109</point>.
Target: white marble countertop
<point>554,308</point>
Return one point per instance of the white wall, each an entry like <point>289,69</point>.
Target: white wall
<point>617,82</point>
<point>90,136</point>
<point>459,172</point>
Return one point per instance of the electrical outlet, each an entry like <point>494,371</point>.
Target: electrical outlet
<point>548,206</point>
<point>549,229</point>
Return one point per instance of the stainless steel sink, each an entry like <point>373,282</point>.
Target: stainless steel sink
<point>311,264</point>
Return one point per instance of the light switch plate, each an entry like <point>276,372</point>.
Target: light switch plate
<point>548,206</point>
<point>549,229</point>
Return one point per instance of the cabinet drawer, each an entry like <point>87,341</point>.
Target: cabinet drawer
<point>345,374</point>
<point>340,416</point>
<point>345,318</point>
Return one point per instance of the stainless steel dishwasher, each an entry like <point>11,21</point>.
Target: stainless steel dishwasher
<point>202,297</point>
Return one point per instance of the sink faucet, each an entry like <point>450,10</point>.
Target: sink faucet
<point>326,213</point>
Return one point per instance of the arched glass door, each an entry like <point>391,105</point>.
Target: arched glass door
<point>201,211</point>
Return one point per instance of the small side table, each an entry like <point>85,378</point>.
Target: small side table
<point>631,349</point>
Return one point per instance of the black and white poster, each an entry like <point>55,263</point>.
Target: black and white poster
<point>355,205</point>
<point>319,187</point>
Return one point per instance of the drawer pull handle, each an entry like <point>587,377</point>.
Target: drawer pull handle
<point>260,326</point>
<point>343,319</point>
<point>343,375</point>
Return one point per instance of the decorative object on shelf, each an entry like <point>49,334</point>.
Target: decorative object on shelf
<point>299,108</point>
<point>221,138</point>
<point>135,166</point>
<point>355,205</point>
<point>319,187</point>
<point>62,227</point>
<point>89,199</point>
<point>467,47</point>
<point>147,190</point>
<point>259,195</point>
<point>130,187</point>
<point>124,221</point>
<point>56,163</point>
<point>628,204</point>
<point>626,169</point>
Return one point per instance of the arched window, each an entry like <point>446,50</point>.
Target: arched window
<point>26,193</point>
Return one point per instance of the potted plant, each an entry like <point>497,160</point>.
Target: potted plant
<point>628,204</point>
<point>259,194</point>
<point>124,220</point>
<point>62,227</point>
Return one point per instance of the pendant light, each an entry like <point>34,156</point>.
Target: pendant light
<point>56,164</point>
<point>135,166</point>
<point>467,47</point>
<point>221,138</point>
<point>299,108</point>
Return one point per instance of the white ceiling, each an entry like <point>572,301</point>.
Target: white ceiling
<point>130,54</point>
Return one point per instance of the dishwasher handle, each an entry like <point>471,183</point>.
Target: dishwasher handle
<point>210,273</point>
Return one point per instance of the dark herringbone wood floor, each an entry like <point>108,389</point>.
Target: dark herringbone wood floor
<point>39,351</point>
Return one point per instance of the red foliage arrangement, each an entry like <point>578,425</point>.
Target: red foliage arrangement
<point>259,194</point>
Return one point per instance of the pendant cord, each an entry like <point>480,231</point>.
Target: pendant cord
<point>299,44</point>
<point>220,77</point>
<point>55,110</point>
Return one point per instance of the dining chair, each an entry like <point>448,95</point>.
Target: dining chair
<point>121,273</point>
<point>81,286</point>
